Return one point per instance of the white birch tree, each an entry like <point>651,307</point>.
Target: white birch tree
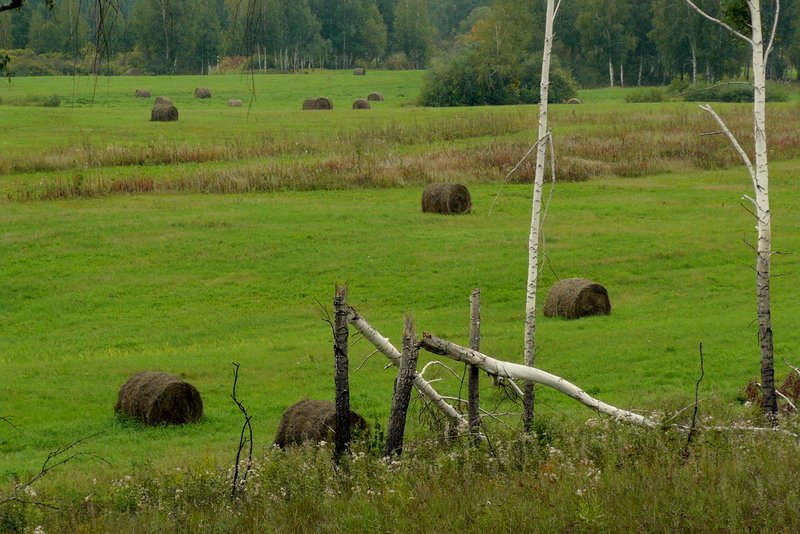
<point>759,174</point>
<point>536,213</point>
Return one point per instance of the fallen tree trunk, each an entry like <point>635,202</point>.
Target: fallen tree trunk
<point>426,390</point>
<point>500,368</point>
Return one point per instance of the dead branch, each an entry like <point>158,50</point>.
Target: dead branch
<point>247,428</point>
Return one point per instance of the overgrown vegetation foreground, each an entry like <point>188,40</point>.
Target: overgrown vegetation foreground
<point>96,286</point>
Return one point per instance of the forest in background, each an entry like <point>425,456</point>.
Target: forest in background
<point>599,42</point>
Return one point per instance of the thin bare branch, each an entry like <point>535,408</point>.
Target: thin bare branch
<point>717,21</point>
<point>774,30</point>
<point>733,140</point>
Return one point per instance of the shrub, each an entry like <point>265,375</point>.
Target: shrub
<point>731,92</point>
<point>398,61</point>
<point>462,80</point>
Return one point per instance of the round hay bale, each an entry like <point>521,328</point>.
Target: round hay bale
<point>375,97</point>
<point>446,198</point>
<point>310,103</point>
<point>234,103</point>
<point>202,92</point>
<point>573,298</point>
<point>155,398</point>
<point>573,101</point>
<point>132,72</point>
<point>323,103</point>
<point>142,93</point>
<point>162,100</point>
<point>164,113</point>
<point>359,71</point>
<point>361,104</point>
<point>312,421</point>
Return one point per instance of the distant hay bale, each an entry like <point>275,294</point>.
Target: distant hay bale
<point>142,93</point>
<point>359,71</point>
<point>162,100</point>
<point>155,398</point>
<point>573,101</point>
<point>164,113</point>
<point>323,103</point>
<point>446,198</point>
<point>234,103</point>
<point>375,97</point>
<point>310,103</point>
<point>132,72</point>
<point>202,92</point>
<point>573,298</point>
<point>312,421</point>
<point>361,104</point>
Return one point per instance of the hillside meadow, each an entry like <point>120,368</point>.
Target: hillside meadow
<point>187,247</point>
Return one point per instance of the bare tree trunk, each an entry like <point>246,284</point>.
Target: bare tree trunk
<point>536,212</point>
<point>760,177</point>
<point>510,370</point>
<point>341,370</point>
<point>402,391</point>
<point>473,388</point>
<point>610,73</point>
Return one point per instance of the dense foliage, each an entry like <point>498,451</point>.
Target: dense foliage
<point>600,42</point>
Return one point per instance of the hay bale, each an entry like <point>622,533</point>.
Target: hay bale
<point>234,103</point>
<point>446,198</point>
<point>310,103</point>
<point>155,398</point>
<point>359,71</point>
<point>202,92</point>
<point>132,72</point>
<point>573,101</point>
<point>162,100</point>
<point>142,93</point>
<point>323,103</point>
<point>375,97</point>
<point>361,104</point>
<point>312,421</point>
<point>573,298</point>
<point>164,113</point>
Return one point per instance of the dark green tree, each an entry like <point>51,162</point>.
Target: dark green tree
<point>413,31</point>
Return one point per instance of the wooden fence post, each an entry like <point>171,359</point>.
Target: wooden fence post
<point>341,370</point>
<point>473,394</point>
<point>402,390</point>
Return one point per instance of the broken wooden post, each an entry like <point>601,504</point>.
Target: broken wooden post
<point>402,390</point>
<point>341,370</point>
<point>473,385</point>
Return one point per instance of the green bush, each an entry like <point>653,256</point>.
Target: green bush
<point>731,92</point>
<point>461,79</point>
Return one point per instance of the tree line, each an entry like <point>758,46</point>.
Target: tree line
<point>597,42</point>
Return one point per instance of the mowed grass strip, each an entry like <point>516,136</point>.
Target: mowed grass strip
<point>94,290</point>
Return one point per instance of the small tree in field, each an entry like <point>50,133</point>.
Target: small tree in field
<point>760,177</point>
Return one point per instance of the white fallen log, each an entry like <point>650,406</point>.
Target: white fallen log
<point>510,370</point>
<point>390,351</point>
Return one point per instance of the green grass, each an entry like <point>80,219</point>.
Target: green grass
<point>99,284</point>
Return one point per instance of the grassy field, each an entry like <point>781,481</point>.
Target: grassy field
<point>96,285</point>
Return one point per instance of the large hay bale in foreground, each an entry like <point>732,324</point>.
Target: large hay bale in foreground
<point>142,93</point>
<point>573,298</point>
<point>159,398</point>
<point>162,100</point>
<point>234,103</point>
<point>446,198</point>
<point>375,97</point>
<point>164,113</point>
<point>361,104</point>
<point>202,92</point>
<point>310,103</point>
<point>312,421</point>
<point>323,103</point>
<point>359,71</point>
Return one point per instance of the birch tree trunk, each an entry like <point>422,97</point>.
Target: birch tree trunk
<point>536,213</point>
<point>760,177</point>
<point>473,387</point>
